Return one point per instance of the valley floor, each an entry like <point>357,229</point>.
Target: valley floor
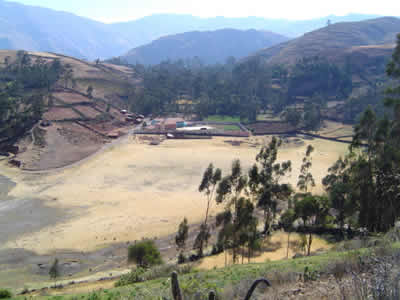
<point>129,191</point>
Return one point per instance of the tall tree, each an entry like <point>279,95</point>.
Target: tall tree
<point>313,211</point>
<point>305,178</point>
<point>229,192</point>
<point>264,181</point>
<point>340,187</point>
<point>54,271</point>
<point>207,186</point>
<point>287,220</point>
<point>182,235</point>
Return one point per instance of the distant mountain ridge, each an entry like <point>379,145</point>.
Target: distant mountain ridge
<point>40,29</point>
<point>332,40</point>
<point>209,46</point>
<point>174,24</point>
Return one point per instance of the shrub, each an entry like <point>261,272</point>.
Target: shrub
<point>144,254</point>
<point>54,271</point>
<point>182,258</point>
<point>4,294</point>
<point>140,274</point>
<point>136,275</point>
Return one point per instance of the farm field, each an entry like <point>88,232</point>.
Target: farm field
<point>71,98</point>
<point>336,130</point>
<point>60,113</point>
<point>218,118</point>
<point>227,127</point>
<point>88,111</point>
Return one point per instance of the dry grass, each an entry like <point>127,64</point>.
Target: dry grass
<point>135,190</point>
<point>335,129</point>
<point>274,249</point>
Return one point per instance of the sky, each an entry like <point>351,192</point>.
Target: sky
<point>109,11</point>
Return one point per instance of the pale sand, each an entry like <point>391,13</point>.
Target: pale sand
<point>278,240</point>
<point>134,190</point>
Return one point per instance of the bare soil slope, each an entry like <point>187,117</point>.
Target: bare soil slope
<point>80,123</point>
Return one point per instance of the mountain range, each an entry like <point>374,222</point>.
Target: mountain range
<point>41,29</point>
<point>209,46</point>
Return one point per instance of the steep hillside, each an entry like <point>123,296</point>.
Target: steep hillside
<point>333,39</point>
<point>210,46</point>
<point>77,113</point>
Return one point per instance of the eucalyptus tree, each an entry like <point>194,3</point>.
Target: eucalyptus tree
<point>182,234</point>
<point>339,185</point>
<point>238,209</point>
<point>306,178</point>
<point>287,220</point>
<point>265,181</point>
<point>208,185</point>
<point>181,238</point>
<point>313,210</point>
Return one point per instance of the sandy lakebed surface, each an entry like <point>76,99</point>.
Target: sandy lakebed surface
<point>129,191</point>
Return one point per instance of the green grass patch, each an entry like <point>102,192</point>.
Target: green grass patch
<point>221,118</point>
<point>231,128</point>
<point>228,127</point>
<point>219,279</point>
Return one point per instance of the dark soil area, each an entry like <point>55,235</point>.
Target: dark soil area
<point>261,128</point>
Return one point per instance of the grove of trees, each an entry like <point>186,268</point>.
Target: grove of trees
<point>239,89</point>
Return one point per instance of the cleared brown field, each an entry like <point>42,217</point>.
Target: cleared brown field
<point>336,129</point>
<point>270,127</point>
<point>60,113</point>
<point>71,98</point>
<point>88,111</point>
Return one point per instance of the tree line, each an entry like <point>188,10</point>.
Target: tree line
<point>245,88</point>
<point>362,189</point>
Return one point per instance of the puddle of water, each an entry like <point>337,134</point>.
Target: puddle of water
<point>23,215</point>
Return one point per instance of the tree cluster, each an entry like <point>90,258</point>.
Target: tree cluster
<point>362,189</point>
<point>25,86</point>
<point>238,89</point>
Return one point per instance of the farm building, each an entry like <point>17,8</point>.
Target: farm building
<point>196,128</point>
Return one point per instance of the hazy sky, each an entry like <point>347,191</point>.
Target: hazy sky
<point>124,10</point>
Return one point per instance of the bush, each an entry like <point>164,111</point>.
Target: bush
<point>144,254</point>
<point>136,275</point>
<point>182,258</point>
<point>4,294</point>
<point>140,274</point>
